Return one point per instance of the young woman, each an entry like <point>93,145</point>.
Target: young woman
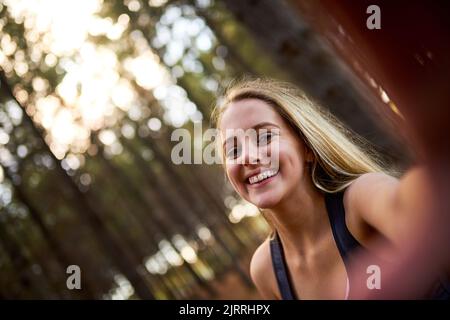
<point>325,198</point>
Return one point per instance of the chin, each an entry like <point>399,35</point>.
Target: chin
<point>265,202</point>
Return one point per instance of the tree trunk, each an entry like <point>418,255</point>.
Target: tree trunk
<point>91,216</point>
<point>298,50</point>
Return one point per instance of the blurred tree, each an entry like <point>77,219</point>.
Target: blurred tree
<point>297,49</point>
<point>110,200</point>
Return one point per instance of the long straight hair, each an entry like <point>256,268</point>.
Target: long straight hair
<point>340,155</point>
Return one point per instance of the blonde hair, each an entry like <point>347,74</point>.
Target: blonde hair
<point>340,156</point>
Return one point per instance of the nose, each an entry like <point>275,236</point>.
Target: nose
<point>250,153</point>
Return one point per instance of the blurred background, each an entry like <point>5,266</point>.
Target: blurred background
<point>90,93</point>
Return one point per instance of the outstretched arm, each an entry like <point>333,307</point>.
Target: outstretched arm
<point>406,212</point>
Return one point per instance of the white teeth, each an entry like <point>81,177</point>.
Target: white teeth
<point>263,175</point>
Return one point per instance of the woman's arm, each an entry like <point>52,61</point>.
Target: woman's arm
<point>406,212</point>
<point>390,206</point>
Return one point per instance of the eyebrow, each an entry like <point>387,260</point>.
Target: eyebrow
<point>257,126</point>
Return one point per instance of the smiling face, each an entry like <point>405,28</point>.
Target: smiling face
<point>264,168</point>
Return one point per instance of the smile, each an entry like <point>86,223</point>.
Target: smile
<point>258,178</point>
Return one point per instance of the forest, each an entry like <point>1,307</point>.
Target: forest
<point>90,94</point>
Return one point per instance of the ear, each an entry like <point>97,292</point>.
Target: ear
<point>309,155</point>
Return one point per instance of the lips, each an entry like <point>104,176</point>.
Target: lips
<point>262,176</point>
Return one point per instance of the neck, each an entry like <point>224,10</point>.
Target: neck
<point>301,219</point>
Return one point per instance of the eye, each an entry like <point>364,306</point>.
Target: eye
<point>232,149</point>
<point>264,138</point>
<point>233,153</point>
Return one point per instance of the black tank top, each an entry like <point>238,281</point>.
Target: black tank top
<point>345,243</point>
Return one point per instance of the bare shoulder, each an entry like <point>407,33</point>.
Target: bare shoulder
<point>369,182</point>
<point>369,203</point>
<point>369,188</point>
<point>261,271</point>
<point>366,200</point>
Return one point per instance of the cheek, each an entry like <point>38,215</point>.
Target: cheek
<point>270,155</point>
<point>291,162</point>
